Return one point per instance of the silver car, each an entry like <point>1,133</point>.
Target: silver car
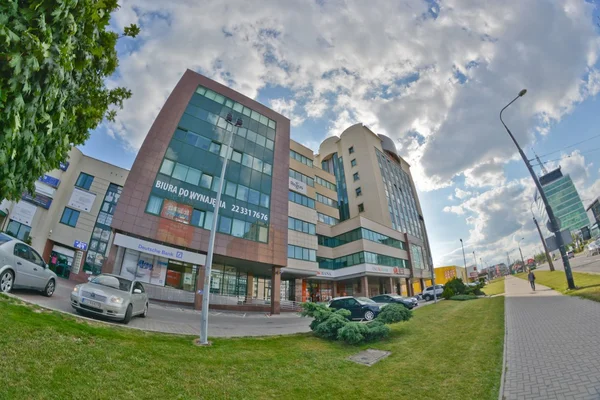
<point>111,296</point>
<point>22,267</point>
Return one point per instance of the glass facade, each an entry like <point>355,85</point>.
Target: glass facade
<point>98,244</point>
<point>335,166</point>
<point>417,256</point>
<point>326,219</point>
<point>301,253</point>
<point>401,198</point>
<point>299,157</point>
<point>301,199</point>
<point>185,187</point>
<point>298,225</point>
<point>566,203</point>
<point>325,183</point>
<point>363,257</point>
<point>358,234</point>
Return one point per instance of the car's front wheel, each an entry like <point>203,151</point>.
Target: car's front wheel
<point>7,280</point>
<point>427,298</point>
<point>50,287</point>
<point>128,314</point>
<point>145,313</point>
<point>369,315</point>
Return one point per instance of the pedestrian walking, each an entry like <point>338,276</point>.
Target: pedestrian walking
<point>531,278</point>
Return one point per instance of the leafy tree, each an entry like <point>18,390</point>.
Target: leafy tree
<point>54,57</point>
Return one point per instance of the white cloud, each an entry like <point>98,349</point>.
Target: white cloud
<point>461,194</point>
<point>286,108</point>
<point>400,75</point>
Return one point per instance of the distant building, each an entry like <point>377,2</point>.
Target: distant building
<point>564,200</point>
<point>593,213</point>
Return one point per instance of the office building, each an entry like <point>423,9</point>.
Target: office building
<point>67,220</point>
<point>564,200</point>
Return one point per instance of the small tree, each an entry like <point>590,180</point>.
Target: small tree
<point>394,313</point>
<point>54,58</point>
<point>453,287</point>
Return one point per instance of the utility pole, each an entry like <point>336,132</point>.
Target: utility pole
<point>464,258</point>
<point>554,225</point>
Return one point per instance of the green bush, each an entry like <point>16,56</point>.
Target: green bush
<point>321,313</point>
<point>329,328</point>
<point>463,297</point>
<point>393,313</point>
<point>353,333</point>
<point>448,292</point>
<point>456,285</point>
<point>357,332</point>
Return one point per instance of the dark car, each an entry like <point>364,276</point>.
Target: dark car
<point>360,308</point>
<point>394,298</point>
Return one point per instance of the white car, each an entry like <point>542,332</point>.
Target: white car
<point>428,292</point>
<point>22,267</point>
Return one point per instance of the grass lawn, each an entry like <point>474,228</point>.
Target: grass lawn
<point>589,284</point>
<point>494,287</point>
<point>452,350</point>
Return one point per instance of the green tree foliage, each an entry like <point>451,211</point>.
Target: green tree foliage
<point>463,297</point>
<point>453,287</point>
<point>356,332</point>
<point>394,313</point>
<point>54,58</point>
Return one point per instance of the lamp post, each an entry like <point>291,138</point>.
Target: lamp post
<point>550,263</point>
<point>464,258</point>
<point>552,219</point>
<point>211,240</point>
<point>520,252</point>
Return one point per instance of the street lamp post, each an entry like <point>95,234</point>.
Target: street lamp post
<point>475,259</point>
<point>550,263</point>
<point>553,223</point>
<point>520,252</point>
<point>211,240</point>
<point>464,258</point>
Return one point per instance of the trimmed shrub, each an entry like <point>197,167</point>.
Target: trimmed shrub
<point>393,313</point>
<point>463,297</point>
<point>376,331</point>
<point>457,286</point>
<point>353,333</point>
<point>448,292</point>
<point>329,328</point>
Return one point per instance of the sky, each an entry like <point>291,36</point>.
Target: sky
<point>432,75</point>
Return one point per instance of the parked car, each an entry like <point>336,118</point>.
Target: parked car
<point>360,307</point>
<point>22,267</point>
<point>111,296</point>
<point>408,302</point>
<point>570,254</point>
<point>428,292</point>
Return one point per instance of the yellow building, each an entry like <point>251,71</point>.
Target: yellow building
<point>444,274</point>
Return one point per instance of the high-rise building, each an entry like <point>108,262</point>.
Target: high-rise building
<point>564,200</point>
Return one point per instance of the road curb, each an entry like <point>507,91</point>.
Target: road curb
<point>504,351</point>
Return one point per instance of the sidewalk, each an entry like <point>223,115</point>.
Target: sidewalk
<point>553,344</point>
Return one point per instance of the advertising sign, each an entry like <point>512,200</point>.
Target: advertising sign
<point>297,185</point>
<point>39,200</point>
<point>158,249</point>
<point>77,263</point>
<point>176,212</point>
<point>42,188</point>
<point>80,245</point>
<point>82,200</point>
<point>50,180</point>
<point>159,272</point>
<point>23,212</point>
<point>64,165</point>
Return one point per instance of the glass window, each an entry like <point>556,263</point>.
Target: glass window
<point>242,193</point>
<point>247,160</point>
<point>154,205</point>
<point>223,152</point>
<point>206,181</point>
<point>361,207</point>
<point>261,140</point>
<point>208,220</point>
<point>203,143</point>
<point>198,218</point>
<point>84,181</point>
<point>193,176</point>
<point>298,252</point>
<point>251,136</point>
<point>18,230</point>
<point>246,111</point>
<point>257,164</point>
<point>219,98</point>
<point>215,148</point>
<point>255,116</point>
<point>355,176</point>
<point>267,168</point>
<point>69,217</point>
<point>263,234</point>
<point>167,167</point>
<point>238,107</point>
<point>358,191</point>
<point>236,156</point>
<point>238,228</point>
<point>353,162</point>
<point>270,144</point>
<point>191,138</point>
<point>230,189</point>
<point>180,172</point>
<point>351,149</point>
<point>264,200</point>
<point>224,224</point>
<point>253,196</point>
<point>271,124</point>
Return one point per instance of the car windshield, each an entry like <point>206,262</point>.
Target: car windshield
<point>112,282</point>
<point>365,300</point>
<point>395,296</point>
<point>4,238</point>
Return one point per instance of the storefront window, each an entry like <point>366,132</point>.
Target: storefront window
<point>228,281</point>
<point>18,230</point>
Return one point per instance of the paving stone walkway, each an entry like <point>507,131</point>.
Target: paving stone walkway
<point>553,344</point>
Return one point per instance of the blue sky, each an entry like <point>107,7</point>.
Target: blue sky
<point>433,76</point>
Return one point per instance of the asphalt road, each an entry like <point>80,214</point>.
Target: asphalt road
<point>581,263</point>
